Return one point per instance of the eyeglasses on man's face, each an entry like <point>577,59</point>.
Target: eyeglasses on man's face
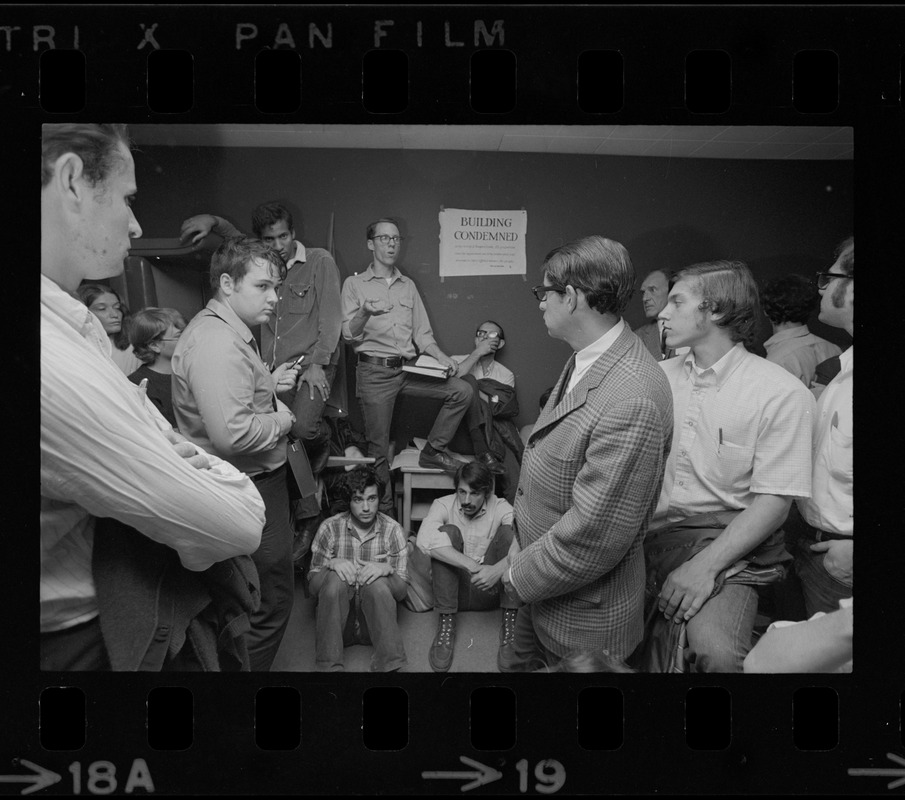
<point>386,239</point>
<point>487,334</point>
<point>540,291</point>
<point>824,278</point>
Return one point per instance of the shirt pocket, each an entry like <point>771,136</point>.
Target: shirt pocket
<point>839,455</point>
<point>732,464</point>
<point>300,298</point>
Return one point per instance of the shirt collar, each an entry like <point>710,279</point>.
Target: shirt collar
<point>789,333</point>
<point>71,310</point>
<point>369,274</point>
<point>722,369</point>
<point>362,537</point>
<point>299,256</point>
<point>847,360</point>
<point>226,313</point>
<point>597,348</point>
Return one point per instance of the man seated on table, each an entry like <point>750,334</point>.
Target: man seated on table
<point>468,534</point>
<point>359,557</point>
<point>481,365</point>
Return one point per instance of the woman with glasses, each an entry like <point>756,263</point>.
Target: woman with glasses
<point>108,307</point>
<point>154,333</point>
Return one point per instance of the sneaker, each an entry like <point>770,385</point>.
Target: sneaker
<point>441,652</point>
<point>506,659</point>
<point>490,461</point>
<point>438,460</point>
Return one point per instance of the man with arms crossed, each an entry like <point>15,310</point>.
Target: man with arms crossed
<point>592,468</point>
<point>740,454</point>
<point>306,321</point>
<point>225,401</point>
<point>384,320</point>
<point>468,534</point>
<point>359,552</point>
<point>105,449</point>
<point>825,522</point>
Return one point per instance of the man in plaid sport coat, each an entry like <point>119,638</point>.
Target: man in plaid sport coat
<point>592,469</point>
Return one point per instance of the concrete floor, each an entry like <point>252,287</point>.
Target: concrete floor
<point>477,640</point>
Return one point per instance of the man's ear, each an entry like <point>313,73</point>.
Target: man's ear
<point>68,174</point>
<point>227,286</point>
<point>370,244</point>
<point>502,342</point>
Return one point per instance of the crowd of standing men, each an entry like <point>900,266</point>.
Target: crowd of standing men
<point>671,478</point>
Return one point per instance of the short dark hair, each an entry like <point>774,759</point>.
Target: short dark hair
<point>600,267</point>
<point>494,322</point>
<point>89,292</point>
<point>477,476</point>
<point>372,226</point>
<point>148,325</point>
<point>268,214</point>
<point>845,254</point>
<point>233,256</point>
<point>356,481</point>
<point>727,288</point>
<point>96,145</point>
<point>792,298</point>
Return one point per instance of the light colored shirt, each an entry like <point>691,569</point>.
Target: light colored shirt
<point>477,531</point>
<point>799,351</point>
<point>104,454</point>
<point>831,506</point>
<point>126,359</point>
<point>398,331</point>
<point>495,371</point>
<point>308,315</point>
<point>585,358</point>
<point>742,427</point>
<point>384,543</point>
<point>223,394</point>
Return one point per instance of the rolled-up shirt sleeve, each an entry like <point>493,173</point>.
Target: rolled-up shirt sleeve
<point>422,335</point>
<point>429,533</point>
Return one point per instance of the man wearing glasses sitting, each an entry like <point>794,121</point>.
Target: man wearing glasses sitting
<point>385,321</point>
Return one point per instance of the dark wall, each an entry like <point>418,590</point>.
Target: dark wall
<point>778,216</point>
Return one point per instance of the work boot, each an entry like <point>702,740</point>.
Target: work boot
<point>490,461</point>
<point>441,652</point>
<point>505,658</point>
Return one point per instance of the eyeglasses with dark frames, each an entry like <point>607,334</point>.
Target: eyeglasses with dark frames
<point>487,334</point>
<point>824,278</point>
<point>540,291</point>
<point>384,238</point>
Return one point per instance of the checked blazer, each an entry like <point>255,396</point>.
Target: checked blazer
<point>589,484</point>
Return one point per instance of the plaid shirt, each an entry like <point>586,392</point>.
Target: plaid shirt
<point>385,543</point>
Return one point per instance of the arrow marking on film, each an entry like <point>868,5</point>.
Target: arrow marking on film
<point>900,772</point>
<point>483,776</point>
<point>40,780</point>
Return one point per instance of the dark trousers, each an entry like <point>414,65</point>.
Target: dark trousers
<point>378,601</point>
<point>274,562</point>
<point>452,586</point>
<point>80,648</point>
<point>376,389</point>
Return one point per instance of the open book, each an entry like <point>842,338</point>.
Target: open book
<point>426,365</point>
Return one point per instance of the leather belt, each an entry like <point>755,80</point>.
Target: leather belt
<point>823,536</point>
<point>263,476</point>
<point>393,361</point>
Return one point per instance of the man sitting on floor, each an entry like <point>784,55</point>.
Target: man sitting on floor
<point>468,535</point>
<point>359,558</point>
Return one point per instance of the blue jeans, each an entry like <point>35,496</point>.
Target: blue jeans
<point>719,635</point>
<point>274,562</point>
<point>452,586</point>
<point>376,390</point>
<point>378,605</point>
<point>822,592</point>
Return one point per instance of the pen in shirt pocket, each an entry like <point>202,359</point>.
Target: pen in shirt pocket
<point>720,448</point>
<point>835,421</point>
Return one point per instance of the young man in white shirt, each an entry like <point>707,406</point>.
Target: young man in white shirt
<point>740,454</point>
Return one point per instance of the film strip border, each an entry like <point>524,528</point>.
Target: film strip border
<point>445,64</point>
<point>286,733</point>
